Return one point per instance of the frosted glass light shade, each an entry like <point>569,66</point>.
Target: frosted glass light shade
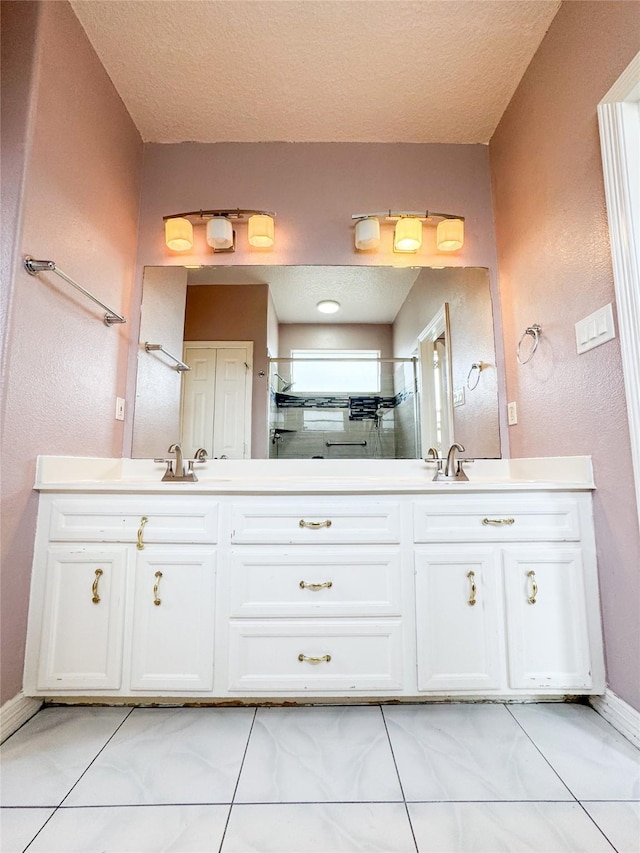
<point>328,306</point>
<point>367,234</point>
<point>178,234</point>
<point>220,233</point>
<point>261,231</point>
<point>450,235</point>
<point>408,235</point>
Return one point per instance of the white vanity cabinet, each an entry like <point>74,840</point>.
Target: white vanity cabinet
<point>302,591</point>
<point>80,636</point>
<point>459,618</point>
<point>123,595</point>
<point>514,610</point>
<point>315,591</point>
<point>546,618</point>
<point>173,619</point>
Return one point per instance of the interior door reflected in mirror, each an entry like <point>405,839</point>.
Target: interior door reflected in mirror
<point>436,383</point>
<point>383,311</point>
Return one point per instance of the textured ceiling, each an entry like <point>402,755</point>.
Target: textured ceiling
<point>365,294</point>
<point>316,70</point>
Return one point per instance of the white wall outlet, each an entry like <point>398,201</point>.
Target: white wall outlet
<point>119,408</point>
<point>512,414</point>
<point>458,396</point>
<point>596,329</point>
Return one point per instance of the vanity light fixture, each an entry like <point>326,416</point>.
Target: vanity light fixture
<point>328,306</point>
<point>408,229</point>
<point>220,234</point>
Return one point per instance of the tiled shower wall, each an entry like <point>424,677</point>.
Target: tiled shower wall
<point>301,427</point>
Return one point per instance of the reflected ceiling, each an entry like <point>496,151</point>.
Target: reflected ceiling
<point>365,294</point>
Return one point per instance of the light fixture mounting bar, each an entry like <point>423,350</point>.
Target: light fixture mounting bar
<point>395,215</point>
<point>197,217</point>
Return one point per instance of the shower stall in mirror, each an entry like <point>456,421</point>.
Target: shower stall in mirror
<point>343,405</point>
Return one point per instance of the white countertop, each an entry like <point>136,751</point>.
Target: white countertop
<point>309,476</point>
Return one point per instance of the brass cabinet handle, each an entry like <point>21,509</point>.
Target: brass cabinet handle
<point>314,525</point>
<point>474,589</point>
<point>533,586</point>
<point>316,586</point>
<point>143,521</point>
<point>157,601</point>
<point>323,659</point>
<point>94,586</point>
<point>498,521</point>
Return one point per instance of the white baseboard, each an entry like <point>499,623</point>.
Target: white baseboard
<point>15,712</point>
<point>622,716</point>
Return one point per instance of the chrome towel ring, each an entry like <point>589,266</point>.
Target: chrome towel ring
<point>476,366</point>
<point>534,331</point>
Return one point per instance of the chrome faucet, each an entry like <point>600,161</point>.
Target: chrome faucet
<point>179,474</point>
<point>453,467</point>
<point>434,456</point>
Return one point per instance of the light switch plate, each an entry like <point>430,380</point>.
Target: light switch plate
<point>596,329</point>
<point>458,396</point>
<point>512,414</point>
<point>119,408</point>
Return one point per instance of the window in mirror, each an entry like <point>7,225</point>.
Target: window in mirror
<point>326,374</point>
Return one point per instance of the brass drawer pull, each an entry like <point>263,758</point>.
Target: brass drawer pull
<point>498,521</point>
<point>314,525</point>
<point>143,521</point>
<point>94,586</point>
<point>474,589</point>
<point>323,659</point>
<point>157,601</point>
<point>533,586</point>
<point>316,586</point>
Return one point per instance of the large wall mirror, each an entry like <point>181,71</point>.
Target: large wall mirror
<point>406,362</point>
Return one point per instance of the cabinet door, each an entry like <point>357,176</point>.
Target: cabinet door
<point>548,644</point>
<point>458,618</point>
<point>173,620</point>
<point>83,619</point>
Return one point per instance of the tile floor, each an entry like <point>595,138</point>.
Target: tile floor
<point>460,777</point>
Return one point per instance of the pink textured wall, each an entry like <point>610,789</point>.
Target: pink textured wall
<point>64,367</point>
<point>314,188</point>
<point>555,268</point>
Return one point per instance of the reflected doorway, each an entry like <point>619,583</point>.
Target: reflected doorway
<point>216,398</point>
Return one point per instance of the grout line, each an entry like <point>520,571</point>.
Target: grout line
<point>599,828</point>
<point>540,752</point>
<point>55,810</point>
<point>233,796</point>
<point>395,764</point>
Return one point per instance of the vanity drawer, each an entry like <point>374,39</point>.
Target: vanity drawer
<point>313,521</point>
<point>118,519</point>
<point>496,518</point>
<point>279,655</point>
<point>315,582</point>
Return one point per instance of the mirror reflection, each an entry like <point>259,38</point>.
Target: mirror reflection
<point>386,375</point>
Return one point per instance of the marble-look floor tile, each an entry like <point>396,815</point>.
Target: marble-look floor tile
<point>19,826</point>
<point>315,754</point>
<point>594,760</point>
<point>467,752</point>
<point>319,828</point>
<point>133,829</point>
<point>497,827</point>
<point>169,755</point>
<point>42,761</point>
<point>620,822</point>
